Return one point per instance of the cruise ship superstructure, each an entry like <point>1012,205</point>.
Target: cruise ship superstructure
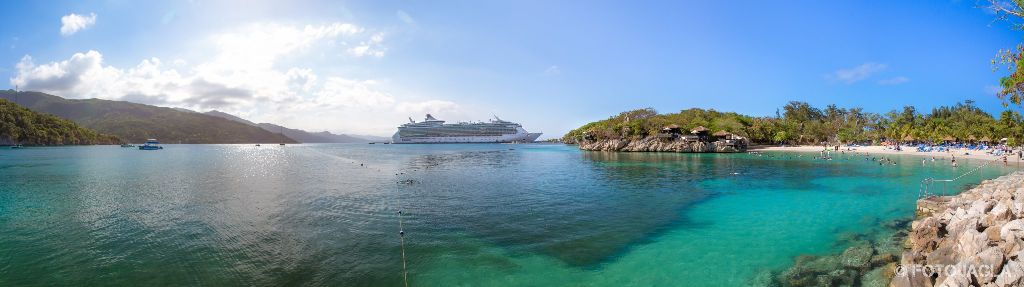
<point>432,130</point>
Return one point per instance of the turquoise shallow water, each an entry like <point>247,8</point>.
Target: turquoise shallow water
<point>475,215</point>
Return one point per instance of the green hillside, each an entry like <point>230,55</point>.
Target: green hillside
<point>137,122</point>
<point>19,125</point>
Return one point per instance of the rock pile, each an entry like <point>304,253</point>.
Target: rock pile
<point>976,239</point>
<point>656,144</point>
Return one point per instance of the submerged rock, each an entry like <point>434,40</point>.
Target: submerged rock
<point>858,257</point>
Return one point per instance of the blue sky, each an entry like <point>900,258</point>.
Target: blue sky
<point>363,67</point>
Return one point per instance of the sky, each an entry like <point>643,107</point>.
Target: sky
<point>364,67</point>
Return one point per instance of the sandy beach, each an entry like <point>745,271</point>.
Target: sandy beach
<point>959,153</point>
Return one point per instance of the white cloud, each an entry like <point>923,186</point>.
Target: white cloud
<point>856,74</point>
<point>254,72</point>
<point>72,23</point>
<point>402,15</point>
<point>552,71</point>
<point>894,81</point>
<point>371,47</point>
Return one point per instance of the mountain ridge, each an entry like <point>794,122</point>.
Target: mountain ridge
<point>135,122</point>
<point>301,136</point>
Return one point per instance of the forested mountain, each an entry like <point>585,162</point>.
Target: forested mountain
<point>296,134</point>
<point>19,125</point>
<point>136,122</point>
<point>799,122</point>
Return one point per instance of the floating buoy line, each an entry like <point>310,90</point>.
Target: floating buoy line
<point>398,203</point>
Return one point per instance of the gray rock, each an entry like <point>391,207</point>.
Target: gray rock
<point>958,278</point>
<point>987,264</point>
<point>971,242</point>
<point>959,225</point>
<point>1011,274</point>
<point>944,255</point>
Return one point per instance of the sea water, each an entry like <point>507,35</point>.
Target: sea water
<point>473,215</point>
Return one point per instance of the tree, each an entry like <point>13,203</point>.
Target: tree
<point>1012,85</point>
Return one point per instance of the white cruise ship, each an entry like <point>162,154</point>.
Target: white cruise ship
<point>432,130</point>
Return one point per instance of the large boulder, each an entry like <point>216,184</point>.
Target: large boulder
<point>1011,275</point>
<point>980,207</point>
<point>998,215</point>
<point>971,242</point>
<point>957,277</point>
<point>925,234</point>
<point>987,264</point>
<point>1012,234</point>
<point>944,255</point>
<point>959,225</point>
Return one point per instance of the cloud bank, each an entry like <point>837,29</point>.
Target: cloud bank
<point>252,74</point>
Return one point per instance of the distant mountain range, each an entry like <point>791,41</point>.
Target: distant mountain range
<point>296,134</point>
<point>136,122</point>
<point>133,122</point>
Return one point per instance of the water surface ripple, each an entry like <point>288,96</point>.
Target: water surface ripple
<point>476,215</point>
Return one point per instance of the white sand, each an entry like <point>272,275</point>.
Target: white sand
<point>959,153</point>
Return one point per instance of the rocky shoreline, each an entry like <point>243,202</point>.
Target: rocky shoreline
<point>975,238</point>
<point>655,144</point>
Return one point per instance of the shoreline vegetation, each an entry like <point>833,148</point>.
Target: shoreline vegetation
<point>21,126</point>
<point>802,124</point>
<point>135,123</point>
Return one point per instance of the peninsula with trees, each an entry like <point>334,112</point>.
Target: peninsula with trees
<point>796,123</point>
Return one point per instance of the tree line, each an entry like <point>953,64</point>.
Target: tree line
<point>19,125</point>
<point>801,123</point>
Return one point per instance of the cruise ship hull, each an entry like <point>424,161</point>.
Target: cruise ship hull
<point>432,130</point>
<point>509,138</point>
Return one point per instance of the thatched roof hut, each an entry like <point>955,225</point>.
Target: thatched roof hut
<point>971,138</point>
<point>948,138</point>
<point>908,138</point>
<point>985,139</point>
<point>699,129</point>
<point>722,134</point>
<point>670,131</point>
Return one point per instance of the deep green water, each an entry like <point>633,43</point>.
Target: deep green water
<point>475,215</point>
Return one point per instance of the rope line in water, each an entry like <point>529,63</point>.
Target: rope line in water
<point>401,226</point>
<point>401,236</point>
<point>924,188</point>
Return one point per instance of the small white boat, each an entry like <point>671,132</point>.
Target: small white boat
<point>151,144</point>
